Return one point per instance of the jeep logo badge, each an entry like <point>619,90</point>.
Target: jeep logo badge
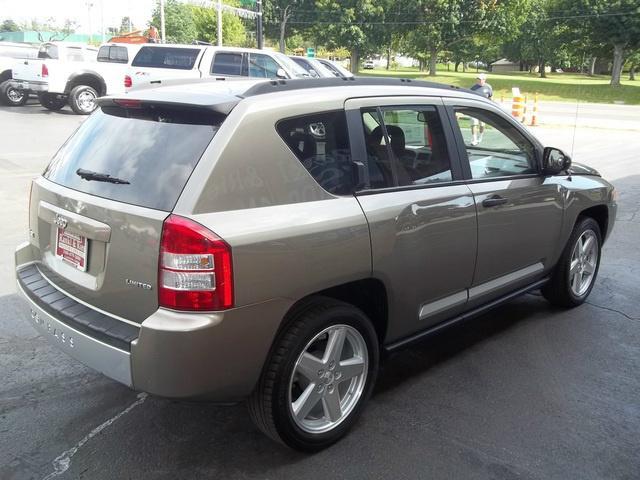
<point>60,221</point>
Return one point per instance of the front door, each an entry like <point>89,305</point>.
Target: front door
<point>421,214</point>
<point>519,210</point>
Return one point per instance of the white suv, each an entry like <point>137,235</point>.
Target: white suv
<point>155,63</point>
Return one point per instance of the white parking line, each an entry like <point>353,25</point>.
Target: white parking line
<point>63,461</point>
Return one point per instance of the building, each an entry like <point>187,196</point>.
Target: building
<point>504,65</point>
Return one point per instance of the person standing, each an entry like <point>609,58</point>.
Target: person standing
<point>482,88</point>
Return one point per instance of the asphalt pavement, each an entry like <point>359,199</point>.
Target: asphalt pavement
<point>525,392</point>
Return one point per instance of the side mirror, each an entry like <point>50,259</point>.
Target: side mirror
<point>555,161</point>
<point>280,73</point>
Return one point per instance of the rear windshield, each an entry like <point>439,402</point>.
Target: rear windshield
<point>166,57</point>
<point>113,54</point>
<point>148,155</point>
<point>48,52</point>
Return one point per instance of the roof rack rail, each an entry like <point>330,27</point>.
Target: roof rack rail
<point>299,84</point>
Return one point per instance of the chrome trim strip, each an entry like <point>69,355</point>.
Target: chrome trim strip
<point>497,283</point>
<point>428,309</point>
<point>88,227</point>
<point>111,361</point>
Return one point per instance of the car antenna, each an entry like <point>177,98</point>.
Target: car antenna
<point>575,120</point>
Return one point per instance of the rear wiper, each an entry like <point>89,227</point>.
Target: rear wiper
<point>99,177</point>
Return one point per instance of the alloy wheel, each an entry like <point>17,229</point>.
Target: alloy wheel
<point>584,261</point>
<point>328,379</point>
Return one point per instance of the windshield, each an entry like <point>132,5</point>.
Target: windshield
<point>291,66</point>
<point>137,156</point>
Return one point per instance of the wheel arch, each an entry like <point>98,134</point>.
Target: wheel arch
<point>367,294</point>
<point>86,77</point>
<point>600,213</point>
<point>5,75</point>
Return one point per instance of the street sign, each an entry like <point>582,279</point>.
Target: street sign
<point>311,52</point>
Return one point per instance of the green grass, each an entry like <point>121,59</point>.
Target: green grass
<point>558,87</point>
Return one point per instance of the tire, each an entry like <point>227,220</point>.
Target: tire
<point>52,101</point>
<point>283,384</point>
<point>12,96</point>
<point>567,289</point>
<point>82,99</point>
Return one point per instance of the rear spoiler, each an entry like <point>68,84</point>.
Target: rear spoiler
<point>220,104</point>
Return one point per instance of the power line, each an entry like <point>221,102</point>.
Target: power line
<point>422,22</point>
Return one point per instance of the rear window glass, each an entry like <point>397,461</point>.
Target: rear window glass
<point>113,54</point>
<point>321,143</point>
<point>152,155</point>
<point>48,52</point>
<point>227,63</point>
<point>166,57</point>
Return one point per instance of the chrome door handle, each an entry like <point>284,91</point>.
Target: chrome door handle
<point>493,201</point>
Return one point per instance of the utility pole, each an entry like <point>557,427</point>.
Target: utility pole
<point>102,19</point>
<point>162,35</point>
<point>259,24</point>
<point>219,23</point>
<point>89,5</point>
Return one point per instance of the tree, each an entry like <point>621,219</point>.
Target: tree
<point>615,23</point>
<point>352,24</point>
<point>206,25</point>
<point>56,33</point>
<point>125,25</point>
<point>9,26</point>
<point>180,24</point>
<point>540,40</point>
<point>277,14</point>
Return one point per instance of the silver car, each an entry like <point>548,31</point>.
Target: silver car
<point>267,241</point>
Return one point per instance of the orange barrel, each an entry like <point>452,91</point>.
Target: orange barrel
<point>517,107</point>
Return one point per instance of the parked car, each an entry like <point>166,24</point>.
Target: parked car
<point>157,62</point>
<point>368,65</point>
<point>74,73</point>
<point>11,53</point>
<point>335,68</point>
<point>313,67</point>
<point>268,240</point>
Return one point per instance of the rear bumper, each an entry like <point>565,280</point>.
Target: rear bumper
<point>30,86</point>
<point>215,356</point>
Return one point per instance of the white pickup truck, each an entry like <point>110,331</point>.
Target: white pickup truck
<point>10,53</point>
<point>73,73</point>
<point>156,62</point>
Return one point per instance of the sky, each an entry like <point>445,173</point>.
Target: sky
<point>78,10</point>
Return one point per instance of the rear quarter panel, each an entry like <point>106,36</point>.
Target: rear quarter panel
<point>289,236</point>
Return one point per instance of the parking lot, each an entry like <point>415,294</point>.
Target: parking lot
<point>526,391</point>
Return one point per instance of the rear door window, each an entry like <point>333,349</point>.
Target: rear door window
<point>321,142</point>
<point>166,57</point>
<point>405,146</point>
<point>148,155</point>
<point>228,63</point>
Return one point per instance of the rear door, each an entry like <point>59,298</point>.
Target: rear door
<point>421,215</point>
<point>519,210</point>
<point>96,214</point>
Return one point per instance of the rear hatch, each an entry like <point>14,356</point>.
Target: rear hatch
<point>97,212</point>
<point>157,63</point>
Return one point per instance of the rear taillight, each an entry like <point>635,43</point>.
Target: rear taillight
<point>127,81</point>
<point>45,71</point>
<point>194,268</point>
